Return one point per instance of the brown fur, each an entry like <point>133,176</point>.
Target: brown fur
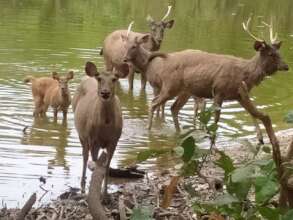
<point>47,92</point>
<point>98,120</point>
<point>114,50</point>
<point>201,74</point>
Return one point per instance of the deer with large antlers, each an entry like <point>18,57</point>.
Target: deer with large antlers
<point>207,75</point>
<point>114,51</point>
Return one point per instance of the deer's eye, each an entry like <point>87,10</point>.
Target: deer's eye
<point>99,79</point>
<point>114,80</point>
<point>133,47</point>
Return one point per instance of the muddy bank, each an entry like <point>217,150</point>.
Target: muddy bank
<point>143,198</point>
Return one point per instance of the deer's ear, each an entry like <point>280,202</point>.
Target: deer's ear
<point>149,19</point>
<point>260,45</point>
<point>90,69</point>
<point>169,24</point>
<point>55,76</point>
<point>70,75</point>
<point>277,45</point>
<point>124,37</point>
<point>143,39</point>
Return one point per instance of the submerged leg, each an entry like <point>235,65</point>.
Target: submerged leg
<point>177,105</point>
<point>131,77</point>
<point>156,103</point>
<point>85,154</point>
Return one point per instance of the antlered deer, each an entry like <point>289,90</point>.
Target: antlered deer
<point>52,92</point>
<point>207,75</point>
<point>97,116</point>
<point>113,49</point>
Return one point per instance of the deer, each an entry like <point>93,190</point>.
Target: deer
<point>51,91</point>
<point>206,75</point>
<point>113,49</point>
<point>97,116</point>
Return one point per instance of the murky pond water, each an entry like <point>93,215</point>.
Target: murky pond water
<point>38,37</point>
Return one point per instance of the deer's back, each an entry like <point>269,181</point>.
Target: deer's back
<point>41,86</point>
<point>200,73</point>
<point>114,49</point>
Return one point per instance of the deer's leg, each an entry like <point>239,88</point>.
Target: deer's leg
<point>258,131</point>
<point>195,108</point>
<point>55,109</point>
<point>65,113</point>
<point>218,101</point>
<point>156,93</point>
<point>38,106</point>
<point>143,80</point>
<point>247,104</point>
<point>156,103</point>
<point>110,152</point>
<point>85,155</point>
<point>163,110</point>
<point>131,77</point>
<point>177,105</point>
<point>44,109</point>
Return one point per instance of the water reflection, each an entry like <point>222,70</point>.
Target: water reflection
<point>45,132</point>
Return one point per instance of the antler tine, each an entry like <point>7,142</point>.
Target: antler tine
<point>168,12</point>
<point>273,38</point>
<point>129,28</point>
<point>245,27</point>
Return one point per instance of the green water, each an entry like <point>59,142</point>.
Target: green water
<point>41,36</point>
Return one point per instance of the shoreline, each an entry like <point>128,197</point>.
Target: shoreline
<point>146,194</point>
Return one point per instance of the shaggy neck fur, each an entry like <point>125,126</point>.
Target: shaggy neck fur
<point>106,110</point>
<point>144,57</point>
<point>256,70</point>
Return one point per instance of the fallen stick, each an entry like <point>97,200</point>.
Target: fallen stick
<point>94,197</point>
<point>126,173</point>
<point>27,207</point>
<point>121,207</point>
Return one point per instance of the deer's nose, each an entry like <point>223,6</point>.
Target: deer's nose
<point>105,94</point>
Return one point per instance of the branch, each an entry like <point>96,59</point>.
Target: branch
<point>94,196</point>
<point>27,207</point>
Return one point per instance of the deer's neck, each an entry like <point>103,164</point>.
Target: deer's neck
<point>255,71</point>
<point>152,44</point>
<point>142,59</point>
<point>106,110</point>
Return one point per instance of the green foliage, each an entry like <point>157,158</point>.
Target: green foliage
<point>289,117</point>
<point>249,186</point>
<point>140,213</point>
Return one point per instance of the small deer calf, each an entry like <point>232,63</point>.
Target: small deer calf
<point>51,91</point>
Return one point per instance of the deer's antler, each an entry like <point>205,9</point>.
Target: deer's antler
<point>246,28</point>
<point>129,28</point>
<point>273,38</point>
<point>168,12</point>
